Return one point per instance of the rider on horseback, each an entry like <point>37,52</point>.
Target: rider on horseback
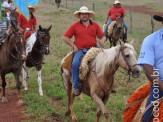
<point>114,11</point>
<point>151,58</point>
<point>27,26</point>
<point>85,32</point>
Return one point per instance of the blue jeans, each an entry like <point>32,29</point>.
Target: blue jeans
<point>75,67</point>
<point>109,22</point>
<point>153,96</point>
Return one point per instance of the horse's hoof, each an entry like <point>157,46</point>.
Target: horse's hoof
<point>41,94</point>
<point>25,89</point>
<point>4,100</point>
<point>20,102</point>
<point>74,119</point>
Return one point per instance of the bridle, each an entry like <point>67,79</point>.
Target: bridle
<point>40,38</point>
<point>123,55</point>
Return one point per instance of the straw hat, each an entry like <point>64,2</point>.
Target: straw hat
<point>84,10</point>
<point>158,18</point>
<point>116,2</point>
<point>34,9</point>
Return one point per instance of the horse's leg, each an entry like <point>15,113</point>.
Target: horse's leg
<point>4,99</point>
<point>25,84</point>
<point>39,80</point>
<point>68,87</point>
<point>0,89</point>
<point>102,107</point>
<point>68,90</point>
<point>74,118</point>
<point>110,42</point>
<point>18,84</point>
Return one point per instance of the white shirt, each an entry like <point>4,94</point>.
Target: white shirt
<point>12,7</point>
<point>5,5</point>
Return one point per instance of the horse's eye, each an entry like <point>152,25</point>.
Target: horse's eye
<point>127,56</point>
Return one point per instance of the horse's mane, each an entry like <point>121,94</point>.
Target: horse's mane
<point>107,58</point>
<point>104,58</point>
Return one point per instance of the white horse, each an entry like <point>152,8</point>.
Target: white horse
<point>100,78</point>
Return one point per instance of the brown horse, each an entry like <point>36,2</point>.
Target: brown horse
<point>58,2</point>
<point>118,32</point>
<point>10,59</point>
<point>35,57</point>
<point>99,81</point>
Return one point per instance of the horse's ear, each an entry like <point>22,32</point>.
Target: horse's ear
<point>121,42</point>
<point>40,28</point>
<point>131,42</point>
<point>49,28</point>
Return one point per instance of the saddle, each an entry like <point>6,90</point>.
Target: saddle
<point>84,65</point>
<point>67,61</point>
<point>136,105</point>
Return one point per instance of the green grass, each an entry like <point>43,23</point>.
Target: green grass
<point>53,104</point>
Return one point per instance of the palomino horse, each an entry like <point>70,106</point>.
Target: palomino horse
<point>99,81</point>
<point>35,57</point>
<point>118,32</point>
<point>10,59</point>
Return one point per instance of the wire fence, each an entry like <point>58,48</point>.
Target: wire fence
<point>101,7</point>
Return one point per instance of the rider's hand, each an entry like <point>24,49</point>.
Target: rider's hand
<point>75,49</point>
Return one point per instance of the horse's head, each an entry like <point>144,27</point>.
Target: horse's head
<point>118,29</point>
<point>43,36</point>
<point>119,22</point>
<point>16,41</point>
<point>127,59</point>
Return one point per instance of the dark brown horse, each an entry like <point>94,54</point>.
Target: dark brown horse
<point>10,59</point>
<point>118,32</point>
<point>58,2</point>
<point>35,57</point>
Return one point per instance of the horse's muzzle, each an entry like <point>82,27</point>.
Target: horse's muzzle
<point>136,71</point>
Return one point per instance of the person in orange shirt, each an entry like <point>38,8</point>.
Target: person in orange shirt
<point>85,32</point>
<point>114,11</point>
<point>27,26</point>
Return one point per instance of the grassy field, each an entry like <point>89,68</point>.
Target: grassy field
<point>53,105</point>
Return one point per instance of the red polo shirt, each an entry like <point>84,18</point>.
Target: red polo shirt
<point>115,11</point>
<point>24,23</point>
<point>85,37</point>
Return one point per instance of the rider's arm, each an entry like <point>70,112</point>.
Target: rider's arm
<point>34,27</point>
<point>102,41</point>
<point>70,43</point>
<point>152,75</point>
<point>106,20</point>
<point>19,27</point>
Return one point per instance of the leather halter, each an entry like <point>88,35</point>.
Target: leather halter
<point>39,37</point>
<point>128,65</point>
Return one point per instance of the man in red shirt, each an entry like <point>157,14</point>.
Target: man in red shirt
<point>85,32</point>
<point>114,11</point>
<point>27,26</point>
